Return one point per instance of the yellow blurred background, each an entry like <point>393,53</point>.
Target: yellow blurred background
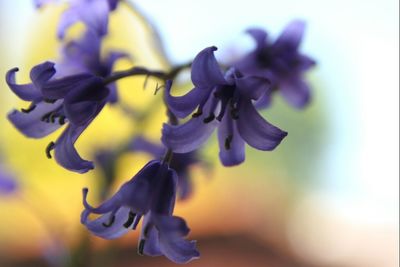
<point>327,196</point>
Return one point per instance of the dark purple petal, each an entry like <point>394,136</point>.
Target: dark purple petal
<point>172,245</point>
<point>182,106</point>
<point>255,130</point>
<point>152,244</point>
<point>305,63</point>
<point>206,72</point>
<point>59,88</point>
<point>27,92</point>
<point>141,144</point>
<point>114,230</point>
<point>252,86</point>
<point>84,103</point>
<point>65,152</point>
<point>260,36</point>
<point>264,101</point>
<point>291,36</point>
<point>113,4</point>
<point>231,151</point>
<point>113,95</point>
<point>31,124</point>
<point>42,73</point>
<point>188,136</point>
<point>296,92</point>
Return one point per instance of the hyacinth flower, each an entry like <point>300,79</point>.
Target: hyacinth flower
<point>181,163</point>
<point>149,194</point>
<point>93,13</point>
<point>73,100</point>
<point>282,63</point>
<point>84,55</point>
<point>223,102</point>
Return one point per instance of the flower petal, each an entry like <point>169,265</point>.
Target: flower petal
<point>142,144</point>
<point>31,124</point>
<point>296,92</point>
<point>252,86</point>
<point>65,153</point>
<point>59,88</point>
<point>182,106</point>
<point>114,230</point>
<point>206,72</point>
<point>260,36</point>
<point>255,130</point>
<point>172,245</point>
<point>291,36</point>
<point>42,73</point>
<point>27,92</point>
<point>231,153</point>
<point>188,136</point>
<point>86,101</point>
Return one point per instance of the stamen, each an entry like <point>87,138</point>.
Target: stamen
<point>110,222</point>
<point>32,107</point>
<point>136,221</point>
<point>210,118</point>
<point>198,113</point>
<point>52,117</point>
<point>146,80</point>
<point>141,247</point>
<point>235,113</point>
<point>228,141</point>
<point>130,219</point>
<point>49,148</point>
<point>61,120</point>
<point>158,88</point>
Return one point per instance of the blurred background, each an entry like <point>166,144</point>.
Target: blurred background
<point>327,196</point>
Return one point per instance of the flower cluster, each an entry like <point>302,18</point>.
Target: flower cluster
<point>73,91</point>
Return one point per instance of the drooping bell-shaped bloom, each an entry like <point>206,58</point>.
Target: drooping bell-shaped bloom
<point>281,62</point>
<point>149,194</point>
<point>181,163</point>
<point>223,102</point>
<point>84,56</point>
<point>73,100</point>
<point>93,13</point>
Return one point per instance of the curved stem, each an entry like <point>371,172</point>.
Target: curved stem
<point>135,71</point>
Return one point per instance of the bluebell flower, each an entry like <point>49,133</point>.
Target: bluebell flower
<point>84,55</point>
<point>149,194</point>
<point>282,63</point>
<point>181,163</point>
<point>93,13</point>
<point>222,102</point>
<point>73,100</point>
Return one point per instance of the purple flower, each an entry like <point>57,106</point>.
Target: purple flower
<point>181,163</point>
<point>93,13</point>
<point>8,184</point>
<point>84,55</point>
<point>149,194</point>
<point>281,62</point>
<point>75,100</point>
<point>224,103</point>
